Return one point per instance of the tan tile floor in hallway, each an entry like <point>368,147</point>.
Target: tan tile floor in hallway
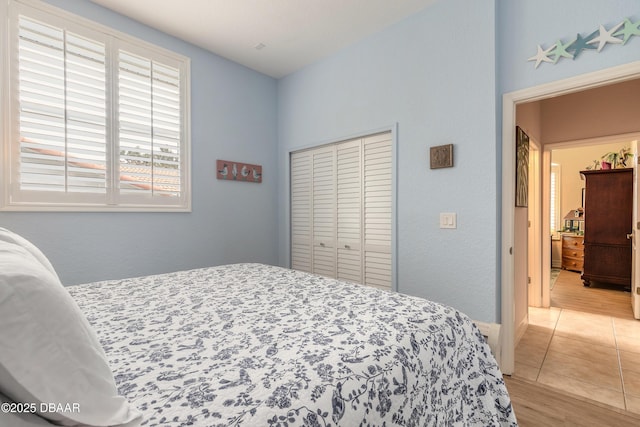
<point>591,355</point>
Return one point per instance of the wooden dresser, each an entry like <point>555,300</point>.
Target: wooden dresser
<point>572,252</point>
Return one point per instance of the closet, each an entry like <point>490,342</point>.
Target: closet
<point>341,210</point>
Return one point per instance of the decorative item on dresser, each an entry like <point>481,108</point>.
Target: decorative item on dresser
<point>608,224</point>
<point>572,252</point>
<point>574,221</point>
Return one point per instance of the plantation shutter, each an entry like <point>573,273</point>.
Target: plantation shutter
<point>95,119</point>
<point>148,126</point>
<point>324,210</point>
<point>349,215</point>
<point>301,220</point>
<point>378,205</point>
<point>62,110</point>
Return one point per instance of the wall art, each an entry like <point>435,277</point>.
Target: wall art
<point>522,168</point>
<point>597,40</point>
<point>237,171</point>
<point>441,156</point>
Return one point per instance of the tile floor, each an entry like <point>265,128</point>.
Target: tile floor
<point>590,355</point>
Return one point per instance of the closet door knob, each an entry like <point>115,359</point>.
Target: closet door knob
<point>347,247</point>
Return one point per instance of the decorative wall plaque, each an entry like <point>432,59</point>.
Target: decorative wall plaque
<point>237,171</point>
<point>441,156</point>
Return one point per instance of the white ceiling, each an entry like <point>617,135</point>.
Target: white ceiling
<point>294,33</point>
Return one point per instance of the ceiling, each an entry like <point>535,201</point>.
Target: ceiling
<point>274,37</point>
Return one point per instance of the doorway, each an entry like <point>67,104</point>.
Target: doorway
<point>579,343</point>
<point>576,85</point>
<point>564,194</point>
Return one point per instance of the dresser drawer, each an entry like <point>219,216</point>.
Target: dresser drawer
<point>572,242</point>
<point>570,263</point>
<point>573,253</point>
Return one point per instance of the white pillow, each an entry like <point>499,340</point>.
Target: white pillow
<point>11,237</point>
<point>50,354</point>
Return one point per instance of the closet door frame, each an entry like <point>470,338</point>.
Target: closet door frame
<point>394,166</point>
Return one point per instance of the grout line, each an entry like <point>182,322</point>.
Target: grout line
<point>546,352</point>
<point>615,339</point>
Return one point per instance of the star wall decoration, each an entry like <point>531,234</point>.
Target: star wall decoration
<point>542,56</point>
<point>606,37</point>
<point>582,44</point>
<point>560,50</point>
<point>630,29</point>
<point>597,40</point>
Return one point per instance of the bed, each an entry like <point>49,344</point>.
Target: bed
<point>258,345</point>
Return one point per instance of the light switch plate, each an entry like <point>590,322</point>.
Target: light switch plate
<point>448,220</point>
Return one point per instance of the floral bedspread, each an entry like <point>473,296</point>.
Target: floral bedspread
<point>257,345</point>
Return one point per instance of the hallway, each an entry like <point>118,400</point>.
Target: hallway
<point>585,344</point>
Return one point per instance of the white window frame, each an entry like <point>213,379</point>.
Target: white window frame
<point>12,198</point>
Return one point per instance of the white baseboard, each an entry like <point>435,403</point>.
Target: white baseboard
<point>491,332</point>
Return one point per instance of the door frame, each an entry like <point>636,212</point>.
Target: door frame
<point>546,225</point>
<point>635,259</point>
<point>509,101</point>
<point>534,255</point>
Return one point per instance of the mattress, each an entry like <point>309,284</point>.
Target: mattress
<point>258,345</point>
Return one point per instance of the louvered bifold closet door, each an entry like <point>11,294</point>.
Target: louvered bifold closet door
<point>378,205</point>
<point>342,210</point>
<point>349,215</point>
<point>301,202</point>
<point>324,212</point>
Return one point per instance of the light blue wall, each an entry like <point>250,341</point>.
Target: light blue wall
<point>524,24</point>
<point>434,75</point>
<point>233,118</point>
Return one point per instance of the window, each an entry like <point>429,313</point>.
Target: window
<point>96,120</point>
<point>555,223</point>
